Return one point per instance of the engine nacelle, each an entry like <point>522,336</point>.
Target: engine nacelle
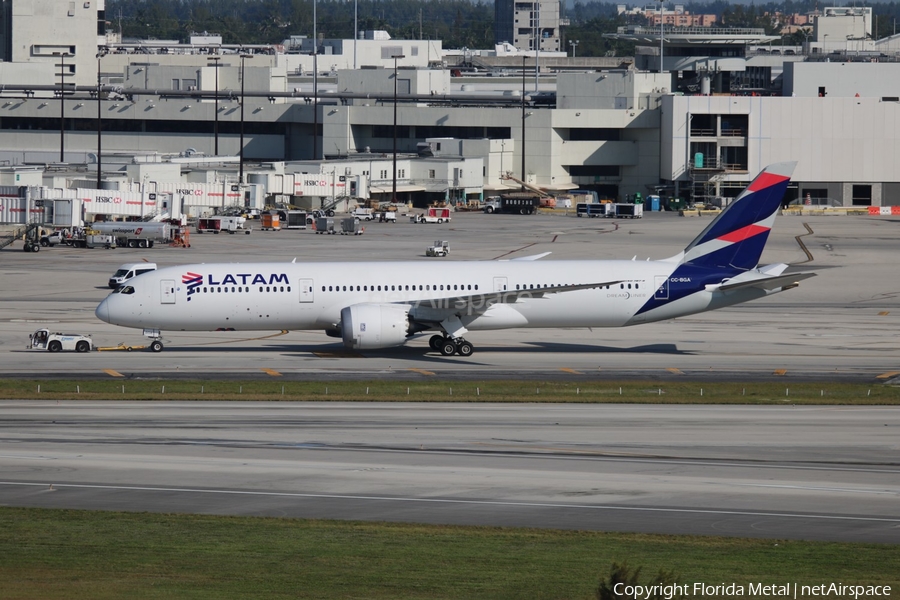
<point>373,326</point>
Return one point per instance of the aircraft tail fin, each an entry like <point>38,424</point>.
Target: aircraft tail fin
<point>736,237</point>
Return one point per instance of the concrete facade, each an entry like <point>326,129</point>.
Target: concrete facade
<point>847,149</point>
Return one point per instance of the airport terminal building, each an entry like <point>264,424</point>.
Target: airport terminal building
<point>697,122</point>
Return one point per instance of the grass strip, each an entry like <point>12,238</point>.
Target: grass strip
<point>53,554</point>
<point>646,392</point>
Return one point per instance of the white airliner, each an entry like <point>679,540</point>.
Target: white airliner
<point>372,305</point>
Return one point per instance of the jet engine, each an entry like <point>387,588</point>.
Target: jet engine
<point>373,326</point>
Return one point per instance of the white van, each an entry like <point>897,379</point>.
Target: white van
<point>129,270</point>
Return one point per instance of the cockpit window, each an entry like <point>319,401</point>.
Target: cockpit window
<point>124,289</point>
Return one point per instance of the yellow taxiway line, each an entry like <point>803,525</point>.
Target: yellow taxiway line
<point>421,371</point>
<point>271,372</point>
<point>112,373</point>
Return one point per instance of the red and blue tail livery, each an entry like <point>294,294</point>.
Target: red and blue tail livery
<point>736,237</point>
<point>371,305</point>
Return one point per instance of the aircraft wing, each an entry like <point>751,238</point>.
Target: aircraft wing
<point>767,283</point>
<point>437,309</point>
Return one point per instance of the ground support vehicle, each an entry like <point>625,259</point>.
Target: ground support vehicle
<point>293,219</point>
<point>363,214</point>
<point>311,217</point>
<point>325,225</point>
<point>270,222</point>
<point>513,203</point>
<point>222,223</point>
<point>629,211</point>
<point>129,271</point>
<point>387,216</point>
<point>52,239</point>
<point>350,226</point>
<point>135,234</point>
<point>89,238</point>
<point>424,219</point>
<point>211,225</point>
<point>588,209</point>
<point>44,339</point>
<point>32,241</point>
<point>439,248</point>
<point>121,346</point>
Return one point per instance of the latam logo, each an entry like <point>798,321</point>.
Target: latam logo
<point>194,281</point>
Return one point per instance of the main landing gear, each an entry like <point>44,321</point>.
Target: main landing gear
<point>449,346</point>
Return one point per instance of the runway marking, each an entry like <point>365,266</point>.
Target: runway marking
<point>818,489</point>
<point>421,371</point>
<point>884,313</point>
<point>271,372</point>
<point>888,375</point>
<point>112,373</point>
<point>779,372</point>
<point>572,371</point>
<point>675,371</point>
<point>707,511</point>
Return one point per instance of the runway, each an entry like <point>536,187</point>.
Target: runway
<point>818,473</point>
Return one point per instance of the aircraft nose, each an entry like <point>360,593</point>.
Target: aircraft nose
<point>102,310</point>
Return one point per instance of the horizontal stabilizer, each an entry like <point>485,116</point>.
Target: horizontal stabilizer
<point>767,283</point>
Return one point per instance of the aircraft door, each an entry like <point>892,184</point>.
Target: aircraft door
<point>662,288</point>
<point>500,284</point>
<point>167,291</point>
<point>306,290</point>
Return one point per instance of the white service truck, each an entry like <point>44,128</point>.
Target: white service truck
<point>44,339</point>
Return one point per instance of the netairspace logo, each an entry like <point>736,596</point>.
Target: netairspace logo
<point>778,590</point>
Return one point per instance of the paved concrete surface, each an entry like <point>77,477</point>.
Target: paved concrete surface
<point>839,325</point>
<point>813,473</point>
<point>819,473</point>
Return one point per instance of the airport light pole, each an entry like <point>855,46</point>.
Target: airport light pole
<point>241,160</point>
<point>215,64</point>
<point>62,114</point>
<point>662,24</point>
<point>574,44</point>
<point>394,177</point>
<point>315,102</point>
<point>100,55</point>
<point>523,121</point>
